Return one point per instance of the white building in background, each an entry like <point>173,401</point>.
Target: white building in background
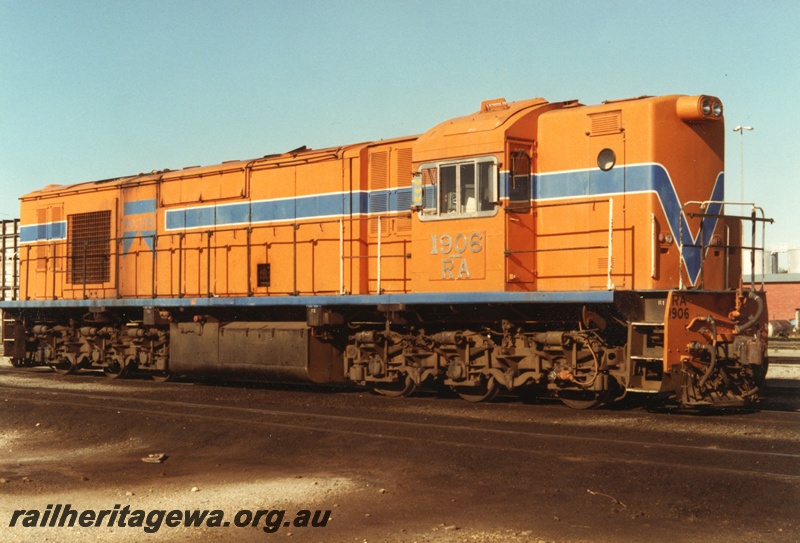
<point>781,277</point>
<point>777,258</point>
<point>793,260</point>
<point>783,258</point>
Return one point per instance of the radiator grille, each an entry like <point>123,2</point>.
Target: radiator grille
<point>89,247</point>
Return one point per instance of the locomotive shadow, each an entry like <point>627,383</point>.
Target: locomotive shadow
<point>779,398</point>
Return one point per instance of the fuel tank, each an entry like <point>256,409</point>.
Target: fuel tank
<point>264,351</point>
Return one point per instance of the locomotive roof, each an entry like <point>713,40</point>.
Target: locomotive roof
<point>492,114</point>
<point>296,156</point>
<point>454,137</point>
<point>482,129</point>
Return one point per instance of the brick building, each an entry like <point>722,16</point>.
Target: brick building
<point>783,294</point>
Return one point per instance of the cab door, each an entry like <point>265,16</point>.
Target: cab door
<point>520,218</point>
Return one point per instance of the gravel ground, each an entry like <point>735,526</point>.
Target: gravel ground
<point>391,482</point>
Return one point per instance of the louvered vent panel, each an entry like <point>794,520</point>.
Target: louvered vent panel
<point>403,205</point>
<point>379,170</point>
<point>602,263</point>
<point>404,167</point>
<point>378,203</point>
<point>609,122</point>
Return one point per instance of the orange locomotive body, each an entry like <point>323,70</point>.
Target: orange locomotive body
<point>579,252</point>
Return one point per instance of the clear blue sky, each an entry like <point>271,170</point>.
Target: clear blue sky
<point>97,89</point>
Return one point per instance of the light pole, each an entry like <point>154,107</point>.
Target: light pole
<point>740,129</point>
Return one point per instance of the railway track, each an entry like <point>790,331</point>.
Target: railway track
<point>775,459</point>
<point>785,348</point>
<point>785,343</point>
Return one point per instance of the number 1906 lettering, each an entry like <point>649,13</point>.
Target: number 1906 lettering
<point>456,247</point>
<point>445,243</point>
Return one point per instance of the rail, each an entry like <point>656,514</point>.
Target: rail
<point>379,257</point>
<point>211,263</point>
<point>704,246</point>
<point>608,246</point>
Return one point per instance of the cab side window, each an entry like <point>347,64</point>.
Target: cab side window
<point>448,202</point>
<point>459,189</point>
<point>519,190</point>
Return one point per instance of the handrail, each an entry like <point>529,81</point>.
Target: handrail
<point>378,273</point>
<point>164,245</point>
<point>610,284</point>
<point>609,246</point>
<point>653,246</point>
<point>341,257</point>
<point>753,218</point>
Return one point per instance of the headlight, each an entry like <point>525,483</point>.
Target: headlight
<point>699,108</point>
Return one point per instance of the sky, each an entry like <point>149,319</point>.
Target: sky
<point>96,89</point>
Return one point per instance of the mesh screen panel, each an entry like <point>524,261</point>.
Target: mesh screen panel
<point>89,247</point>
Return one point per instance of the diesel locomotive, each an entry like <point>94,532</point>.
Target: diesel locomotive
<point>554,249</point>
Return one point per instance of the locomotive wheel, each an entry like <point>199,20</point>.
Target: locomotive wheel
<point>162,376</point>
<point>582,399</point>
<point>64,365</point>
<point>404,386</point>
<point>114,370</point>
<point>485,392</point>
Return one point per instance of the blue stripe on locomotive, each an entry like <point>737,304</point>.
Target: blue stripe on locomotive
<point>332,205</point>
<point>638,179</point>
<point>139,207</point>
<point>51,231</point>
<point>560,185</point>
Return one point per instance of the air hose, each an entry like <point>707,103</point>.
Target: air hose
<point>756,316</point>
